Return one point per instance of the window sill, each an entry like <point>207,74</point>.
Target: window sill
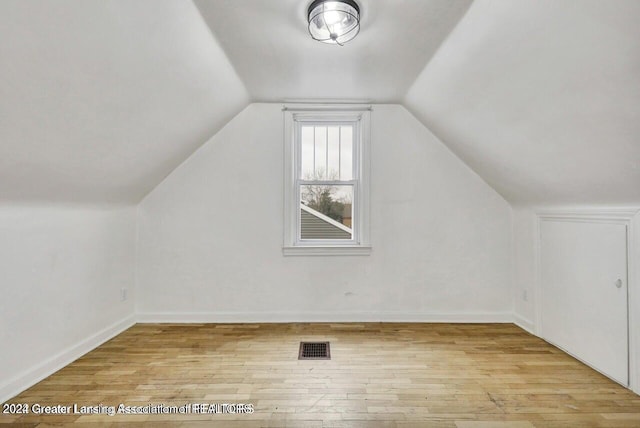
<point>326,251</point>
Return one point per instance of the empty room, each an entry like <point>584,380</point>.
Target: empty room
<point>320,213</point>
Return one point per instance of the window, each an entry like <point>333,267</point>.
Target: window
<point>326,180</point>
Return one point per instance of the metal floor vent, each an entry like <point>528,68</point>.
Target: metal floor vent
<point>314,351</point>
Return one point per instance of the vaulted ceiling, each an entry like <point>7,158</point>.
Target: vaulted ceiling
<point>541,98</point>
<point>100,100</point>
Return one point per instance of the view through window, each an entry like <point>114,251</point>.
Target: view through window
<point>326,181</point>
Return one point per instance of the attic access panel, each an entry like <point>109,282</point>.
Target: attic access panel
<point>314,351</point>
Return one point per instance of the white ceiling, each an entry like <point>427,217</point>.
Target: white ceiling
<point>100,100</point>
<point>541,98</point>
<point>268,43</point>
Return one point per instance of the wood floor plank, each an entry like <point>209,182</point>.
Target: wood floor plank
<point>380,374</point>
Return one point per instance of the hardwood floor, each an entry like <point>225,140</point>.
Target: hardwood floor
<point>380,375</point>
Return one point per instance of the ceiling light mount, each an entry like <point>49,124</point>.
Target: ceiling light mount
<point>334,21</point>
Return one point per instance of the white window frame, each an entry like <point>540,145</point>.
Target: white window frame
<point>294,117</point>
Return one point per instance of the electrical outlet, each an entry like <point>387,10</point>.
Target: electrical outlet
<point>123,294</point>
<point>525,297</point>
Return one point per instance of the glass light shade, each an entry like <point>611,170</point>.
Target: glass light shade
<point>334,21</point>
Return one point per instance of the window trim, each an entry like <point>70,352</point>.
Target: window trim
<point>294,117</point>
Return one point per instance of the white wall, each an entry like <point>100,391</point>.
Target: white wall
<point>210,236</point>
<point>62,270</point>
<point>524,257</point>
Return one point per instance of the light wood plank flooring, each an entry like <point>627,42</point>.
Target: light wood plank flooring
<point>380,375</point>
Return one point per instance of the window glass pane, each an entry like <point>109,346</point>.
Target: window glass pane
<point>326,152</point>
<point>326,212</point>
<point>320,153</point>
<point>307,152</point>
<point>333,140</point>
<point>346,153</point>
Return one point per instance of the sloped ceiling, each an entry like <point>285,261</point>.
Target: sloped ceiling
<point>269,44</point>
<point>541,98</point>
<point>99,100</point>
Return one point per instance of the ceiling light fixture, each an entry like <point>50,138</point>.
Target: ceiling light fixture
<point>334,21</point>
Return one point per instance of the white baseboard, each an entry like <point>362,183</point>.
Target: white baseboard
<point>30,377</point>
<point>524,323</point>
<point>281,317</point>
